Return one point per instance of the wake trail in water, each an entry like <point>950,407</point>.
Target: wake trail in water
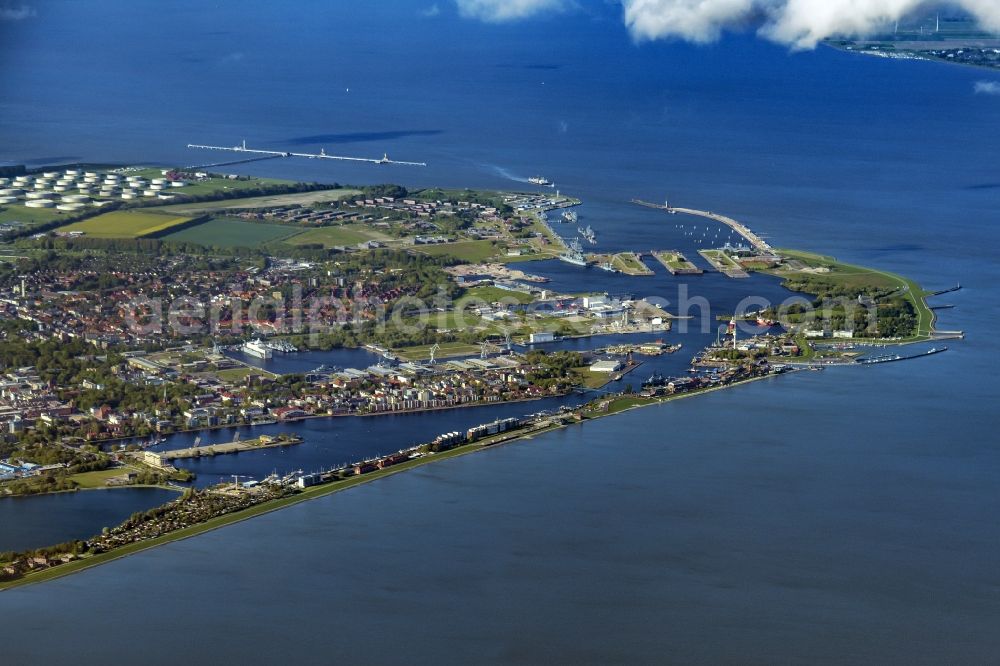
<point>504,173</point>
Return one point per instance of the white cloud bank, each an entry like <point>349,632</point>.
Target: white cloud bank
<point>987,88</point>
<point>798,23</point>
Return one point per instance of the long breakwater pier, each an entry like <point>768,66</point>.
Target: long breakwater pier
<point>258,443</point>
<point>321,155</point>
<point>756,241</point>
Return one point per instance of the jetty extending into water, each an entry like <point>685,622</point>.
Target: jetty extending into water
<point>255,444</point>
<point>676,263</point>
<point>756,241</point>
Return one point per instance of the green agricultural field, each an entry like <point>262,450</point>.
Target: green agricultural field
<point>235,375</point>
<point>229,232</point>
<point>348,234</point>
<point>493,294</point>
<point>99,478</point>
<point>264,201</point>
<point>126,224</point>
<point>29,216</point>
<point>591,379</point>
<point>472,252</point>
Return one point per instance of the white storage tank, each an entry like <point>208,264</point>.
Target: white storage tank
<point>70,206</point>
<point>37,195</point>
<point>40,203</point>
<point>4,182</point>
<point>11,192</point>
<point>75,198</point>
<point>59,188</point>
<point>72,173</point>
<point>157,186</point>
<point>177,183</point>
<point>149,193</point>
<point>128,194</point>
<point>159,181</point>
<point>90,174</point>
<point>50,174</point>
<point>165,197</point>
<point>7,200</point>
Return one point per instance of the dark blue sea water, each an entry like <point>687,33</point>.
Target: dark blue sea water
<point>844,516</point>
<point>45,520</point>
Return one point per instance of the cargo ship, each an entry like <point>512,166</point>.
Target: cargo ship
<point>540,180</point>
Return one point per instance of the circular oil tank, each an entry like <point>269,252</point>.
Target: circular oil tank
<point>75,198</point>
<point>149,193</point>
<point>11,192</point>
<point>40,203</point>
<point>177,183</point>
<point>50,174</point>
<point>59,188</point>
<point>37,195</point>
<point>7,200</point>
<point>70,206</point>
<point>128,195</point>
<point>72,172</point>
<point>90,174</point>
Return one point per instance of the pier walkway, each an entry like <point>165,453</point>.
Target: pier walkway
<point>264,442</point>
<point>756,241</point>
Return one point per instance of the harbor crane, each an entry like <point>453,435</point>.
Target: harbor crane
<point>321,155</point>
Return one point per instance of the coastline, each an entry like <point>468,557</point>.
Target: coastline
<point>315,492</point>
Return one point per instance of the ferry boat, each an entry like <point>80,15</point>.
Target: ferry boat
<point>540,180</point>
<point>574,255</point>
<point>570,216</point>
<point>257,349</point>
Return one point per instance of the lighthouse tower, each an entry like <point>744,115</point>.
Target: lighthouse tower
<point>732,330</point>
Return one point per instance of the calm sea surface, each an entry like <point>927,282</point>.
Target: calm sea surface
<point>843,516</point>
